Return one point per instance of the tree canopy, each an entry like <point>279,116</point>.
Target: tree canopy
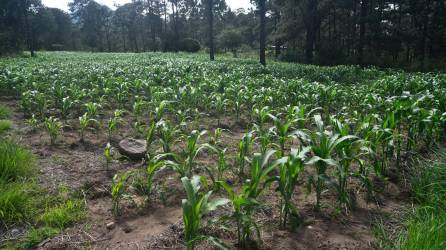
<point>398,33</point>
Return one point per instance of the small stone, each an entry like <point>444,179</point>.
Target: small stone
<point>110,225</point>
<point>133,148</point>
<point>15,232</point>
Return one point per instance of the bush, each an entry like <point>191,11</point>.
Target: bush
<point>190,45</point>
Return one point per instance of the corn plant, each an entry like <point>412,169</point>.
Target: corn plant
<point>219,104</point>
<point>33,122</point>
<point>282,131</point>
<point>221,167</point>
<point>153,165</point>
<point>184,163</point>
<point>84,122</point>
<point>167,135</point>
<point>108,154</point>
<point>138,108</point>
<point>150,134</point>
<point>290,170</point>
<point>114,122</point>
<point>246,201</point>
<point>160,111</point>
<point>323,145</point>
<point>117,191</point>
<point>66,107</point>
<point>215,138</point>
<point>195,206</point>
<point>264,135</point>
<point>245,145</point>
<point>53,126</point>
<point>92,109</point>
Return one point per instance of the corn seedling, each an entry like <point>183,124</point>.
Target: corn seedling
<point>245,145</point>
<point>53,126</point>
<point>108,154</point>
<point>114,122</point>
<point>195,206</point>
<point>290,169</point>
<point>84,122</point>
<point>245,202</point>
<point>117,191</point>
<point>323,145</point>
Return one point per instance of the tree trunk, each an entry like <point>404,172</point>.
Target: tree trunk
<point>262,13</point>
<point>29,36</point>
<point>311,30</point>
<point>175,28</point>
<point>362,30</point>
<point>211,30</point>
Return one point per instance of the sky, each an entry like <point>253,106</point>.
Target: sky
<point>63,4</point>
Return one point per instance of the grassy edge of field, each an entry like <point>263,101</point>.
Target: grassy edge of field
<point>424,225</point>
<point>24,204</point>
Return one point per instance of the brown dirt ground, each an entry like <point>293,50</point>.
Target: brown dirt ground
<point>153,225</point>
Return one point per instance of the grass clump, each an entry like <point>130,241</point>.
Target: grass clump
<point>64,214</point>
<point>4,126</point>
<point>16,162</point>
<point>4,112</point>
<point>426,228</point>
<point>16,184</point>
<point>15,202</point>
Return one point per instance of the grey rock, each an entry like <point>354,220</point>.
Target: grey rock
<point>133,148</point>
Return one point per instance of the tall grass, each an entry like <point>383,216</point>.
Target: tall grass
<point>4,112</point>
<point>426,229</point>
<point>16,162</point>
<point>5,125</point>
<point>426,225</point>
<point>16,165</point>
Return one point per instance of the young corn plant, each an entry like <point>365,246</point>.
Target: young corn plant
<point>244,149</point>
<point>221,167</point>
<point>282,131</point>
<point>53,126</point>
<point>185,162</point>
<point>114,122</point>
<point>167,135</point>
<point>290,170</point>
<point>245,202</point>
<point>323,145</point>
<point>154,164</point>
<point>84,122</point>
<point>138,108</point>
<point>33,123</point>
<point>117,191</point>
<point>195,206</point>
<point>219,104</point>
<point>108,154</point>
<point>262,116</point>
<point>92,109</point>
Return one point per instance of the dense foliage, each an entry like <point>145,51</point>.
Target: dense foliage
<point>401,33</point>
